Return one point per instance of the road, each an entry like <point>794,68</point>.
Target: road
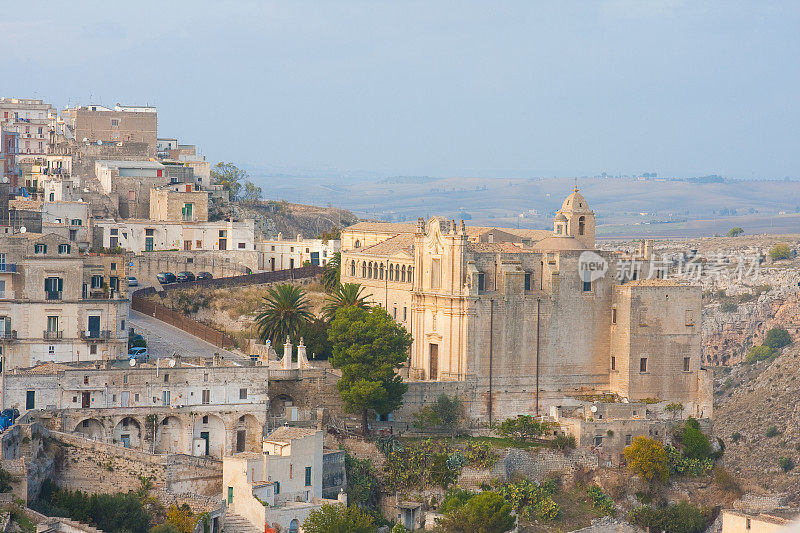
<point>163,339</point>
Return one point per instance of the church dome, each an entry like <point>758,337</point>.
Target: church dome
<point>575,202</point>
<point>560,217</point>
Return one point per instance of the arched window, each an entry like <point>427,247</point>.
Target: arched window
<point>294,526</point>
<point>352,269</point>
<point>381,274</point>
<point>403,273</point>
<point>369,270</point>
<point>363,270</point>
<point>410,275</point>
<point>357,244</point>
<point>581,225</point>
<point>391,272</point>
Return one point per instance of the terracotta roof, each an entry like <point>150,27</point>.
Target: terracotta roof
<point>286,434</point>
<point>384,227</point>
<point>497,247</point>
<point>391,246</point>
<point>559,244</point>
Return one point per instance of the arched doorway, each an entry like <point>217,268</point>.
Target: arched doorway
<point>90,428</point>
<point>278,404</point>
<point>208,436</point>
<point>294,526</point>
<point>128,432</point>
<point>171,436</point>
<point>248,434</point>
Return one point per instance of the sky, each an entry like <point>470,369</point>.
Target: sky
<point>441,88</point>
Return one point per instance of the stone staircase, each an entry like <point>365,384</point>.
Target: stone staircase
<point>238,524</point>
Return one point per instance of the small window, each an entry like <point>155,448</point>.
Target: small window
<point>64,248</point>
<point>76,222</point>
<point>125,379</point>
<point>166,378</point>
<point>587,286</point>
<point>114,231</point>
<point>627,440</point>
<point>242,394</point>
<point>205,377</point>
<point>149,232</point>
<point>241,245</point>
<point>135,397</point>
<point>686,364</point>
<point>92,349</point>
<point>527,281</point>
<point>40,249</point>
<point>308,476</point>
<point>405,313</point>
<point>206,396</point>
<point>481,282</point>
<point>205,419</point>
<point>613,315</point>
<point>643,364</point>
<point>85,380</point>
<point>51,350</point>
<point>114,122</point>
<point>613,363</point>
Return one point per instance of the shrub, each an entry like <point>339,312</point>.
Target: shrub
<point>455,498</point>
<point>479,455</point>
<point>335,517</point>
<point>686,466</point>
<point>524,428</point>
<point>786,463</point>
<point>759,353</point>
<point>362,482</point>
<point>648,459</point>
<point>564,442</point>
<point>534,501</point>
<point>601,502</point>
<point>679,518</point>
<point>445,412</point>
<point>771,432</point>
<point>736,436</point>
<point>485,512</point>
<point>777,338</point>
<point>726,482</point>
<point>695,442</point>
<point>728,307</point>
<point>735,232</point>
<point>780,251</point>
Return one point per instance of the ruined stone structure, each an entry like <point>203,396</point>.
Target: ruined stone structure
<point>527,318</point>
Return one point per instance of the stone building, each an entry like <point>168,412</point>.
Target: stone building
<point>123,124</point>
<point>280,253</point>
<point>181,202</point>
<point>209,407</point>
<point>57,304</point>
<point>279,486</point>
<point>146,235</point>
<point>521,319</point>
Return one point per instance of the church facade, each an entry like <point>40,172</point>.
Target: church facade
<point>522,320</point>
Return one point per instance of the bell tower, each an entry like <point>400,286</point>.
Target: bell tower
<point>575,219</point>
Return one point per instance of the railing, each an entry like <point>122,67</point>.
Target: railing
<point>8,335</point>
<point>53,335</point>
<point>52,295</point>
<point>98,295</point>
<point>8,267</point>
<point>99,335</point>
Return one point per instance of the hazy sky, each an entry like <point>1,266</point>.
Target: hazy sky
<point>490,88</point>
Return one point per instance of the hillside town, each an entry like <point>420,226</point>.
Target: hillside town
<point>165,347</point>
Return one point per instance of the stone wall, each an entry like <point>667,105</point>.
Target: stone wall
<point>221,263</point>
<point>334,477</point>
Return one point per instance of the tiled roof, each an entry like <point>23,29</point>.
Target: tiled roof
<point>384,227</point>
<point>286,434</point>
<point>497,247</point>
<point>391,246</point>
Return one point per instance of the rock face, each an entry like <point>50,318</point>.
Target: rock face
<point>756,398</point>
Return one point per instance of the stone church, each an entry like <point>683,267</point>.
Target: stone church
<point>517,321</point>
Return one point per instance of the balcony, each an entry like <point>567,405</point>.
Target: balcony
<point>53,335</point>
<point>8,336</point>
<point>99,335</point>
<point>98,294</point>
<point>52,295</point>
<point>8,267</point>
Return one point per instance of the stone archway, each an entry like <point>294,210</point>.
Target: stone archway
<point>279,403</point>
<point>128,432</point>
<point>91,428</point>
<point>171,436</point>
<point>208,435</point>
<point>247,435</point>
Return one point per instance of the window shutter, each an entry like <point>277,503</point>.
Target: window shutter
<point>60,284</point>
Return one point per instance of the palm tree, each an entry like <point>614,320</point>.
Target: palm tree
<point>332,273</point>
<point>347,295</point>
<point>285,309</point>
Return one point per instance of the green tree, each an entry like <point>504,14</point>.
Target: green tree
<point>314,333</point>
<point>648,459</point>
<point>285,309</point>
<point>486,512</point>
<point>368,346</point>
<point>735,232</point>
<point>777,338</point>
<point>695,442</point>
<point>523,427</point>
<point>759,353</point>
<point>230,177</point>
<point>252,193</point>
<point>332,272</point>
<point>362,482</point>
<point>780,251</point>
<point>338,519</point>
<point>347,295</point>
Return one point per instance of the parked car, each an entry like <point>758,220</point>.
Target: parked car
<point>185,276</point>
<point>166,277</point>
<point>133,282</point>
<point>140,353</point>
<point>204,275</point>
